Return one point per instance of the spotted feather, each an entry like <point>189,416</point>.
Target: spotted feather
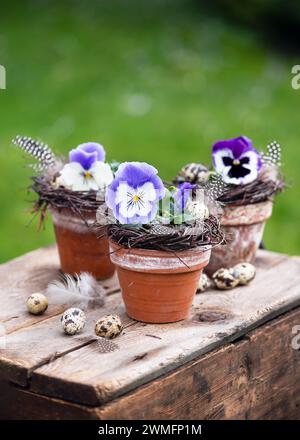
<point>40,151</point>
<point>215,187</point>
<point>106,346</point>
<point>273,155</point>
<point>161,230</point>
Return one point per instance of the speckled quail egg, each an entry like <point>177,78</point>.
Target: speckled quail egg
<point>245,272</point>
<point>73,320</point>
<point>193,173</point>
<point>225,279</point>
<point>204,283</point>
<point>37,303</point>
<point>109,326</point>
<point>197,209</point>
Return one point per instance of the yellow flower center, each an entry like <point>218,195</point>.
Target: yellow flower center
<point>88,175</point>
<point>236,162</point>
<point>136,198</point>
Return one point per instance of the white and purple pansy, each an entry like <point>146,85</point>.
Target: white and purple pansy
<point>236,160</point>
<point>135,192</point>
<point>86,169</point>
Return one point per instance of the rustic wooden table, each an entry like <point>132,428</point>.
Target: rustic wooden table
<point>233,358</point>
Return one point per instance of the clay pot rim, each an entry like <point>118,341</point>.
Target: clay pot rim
<point>69,219</point>
<point>68,212</point>
<point>264,202</point>
<point>152,261</point>
<point>160,254</point>
<point>250,213</point>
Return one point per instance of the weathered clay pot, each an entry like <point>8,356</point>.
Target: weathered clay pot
<point>79,248</point>
<point>243,227</point>
<point>157,286</point>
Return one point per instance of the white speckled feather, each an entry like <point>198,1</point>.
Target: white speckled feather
<point>82,290</point>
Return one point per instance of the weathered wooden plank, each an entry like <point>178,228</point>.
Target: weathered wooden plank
<point>148,351</point>
<point>20,404</point>
<point>40,344</point>
<point>255,378</point>
<point>27,349</point>
<point>241,380</point>
<point>268,259</point>
<point>32,272</point>
<point>21,277</point>
<point>27,274</point>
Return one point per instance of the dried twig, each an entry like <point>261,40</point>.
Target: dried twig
<point>79,202</point>
<point>254,192</point>
<point>183,237</point>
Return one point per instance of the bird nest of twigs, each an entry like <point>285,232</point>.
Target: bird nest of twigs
<point>79,202</point>
<point>170,238</point>
<point>255,192</point>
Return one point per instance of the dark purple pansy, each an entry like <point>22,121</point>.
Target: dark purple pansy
<point>134,194</point>
<point>183,193</point>
<point>88,153</point>
<point>236,160</point>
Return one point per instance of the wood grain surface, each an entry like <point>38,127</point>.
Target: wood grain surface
<point>246,379</point>
<point>56,368</point>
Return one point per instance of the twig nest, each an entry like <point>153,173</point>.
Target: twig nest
<point>109,326</point>
<point>204,283</point>
<point>245,272</point>
<point>73,320</point>
<point>37,303</point>
<point>225,279</point>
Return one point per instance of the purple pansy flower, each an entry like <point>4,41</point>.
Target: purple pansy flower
<point>86,170</point>
<point>183,194</point>
<point>236,160</point>
<point>134,193</point>
<point>88,153</point>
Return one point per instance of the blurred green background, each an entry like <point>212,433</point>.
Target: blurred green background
<point>155,81</point>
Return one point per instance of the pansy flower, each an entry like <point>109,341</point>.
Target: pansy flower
<point>86,170</point>
<point>183,194</point>
<point>135,192</point>
<point>236,160</point>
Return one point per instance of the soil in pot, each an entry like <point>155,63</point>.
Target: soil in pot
<point>158,286</point>
<point>243,227</point>
<point>79,248</point>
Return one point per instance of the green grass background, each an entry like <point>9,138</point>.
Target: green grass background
<point>155,81</point>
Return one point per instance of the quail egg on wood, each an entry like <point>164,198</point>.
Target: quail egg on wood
<point>109,326</point>
<point>73,320</point>
<point>225,279</point>
<point>245,272</point>
<point>204,283</point>
<point>37,303</point>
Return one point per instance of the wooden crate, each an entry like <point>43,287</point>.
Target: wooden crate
<point>233,357</point>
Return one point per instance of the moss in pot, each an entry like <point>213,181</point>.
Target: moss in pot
<point>73,192</point>
<point>160,243</point>
<point>245,183</point>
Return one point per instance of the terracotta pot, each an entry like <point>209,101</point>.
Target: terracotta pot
<point>157,286</point>
<point>243,227</point>
<point>79,248</point>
